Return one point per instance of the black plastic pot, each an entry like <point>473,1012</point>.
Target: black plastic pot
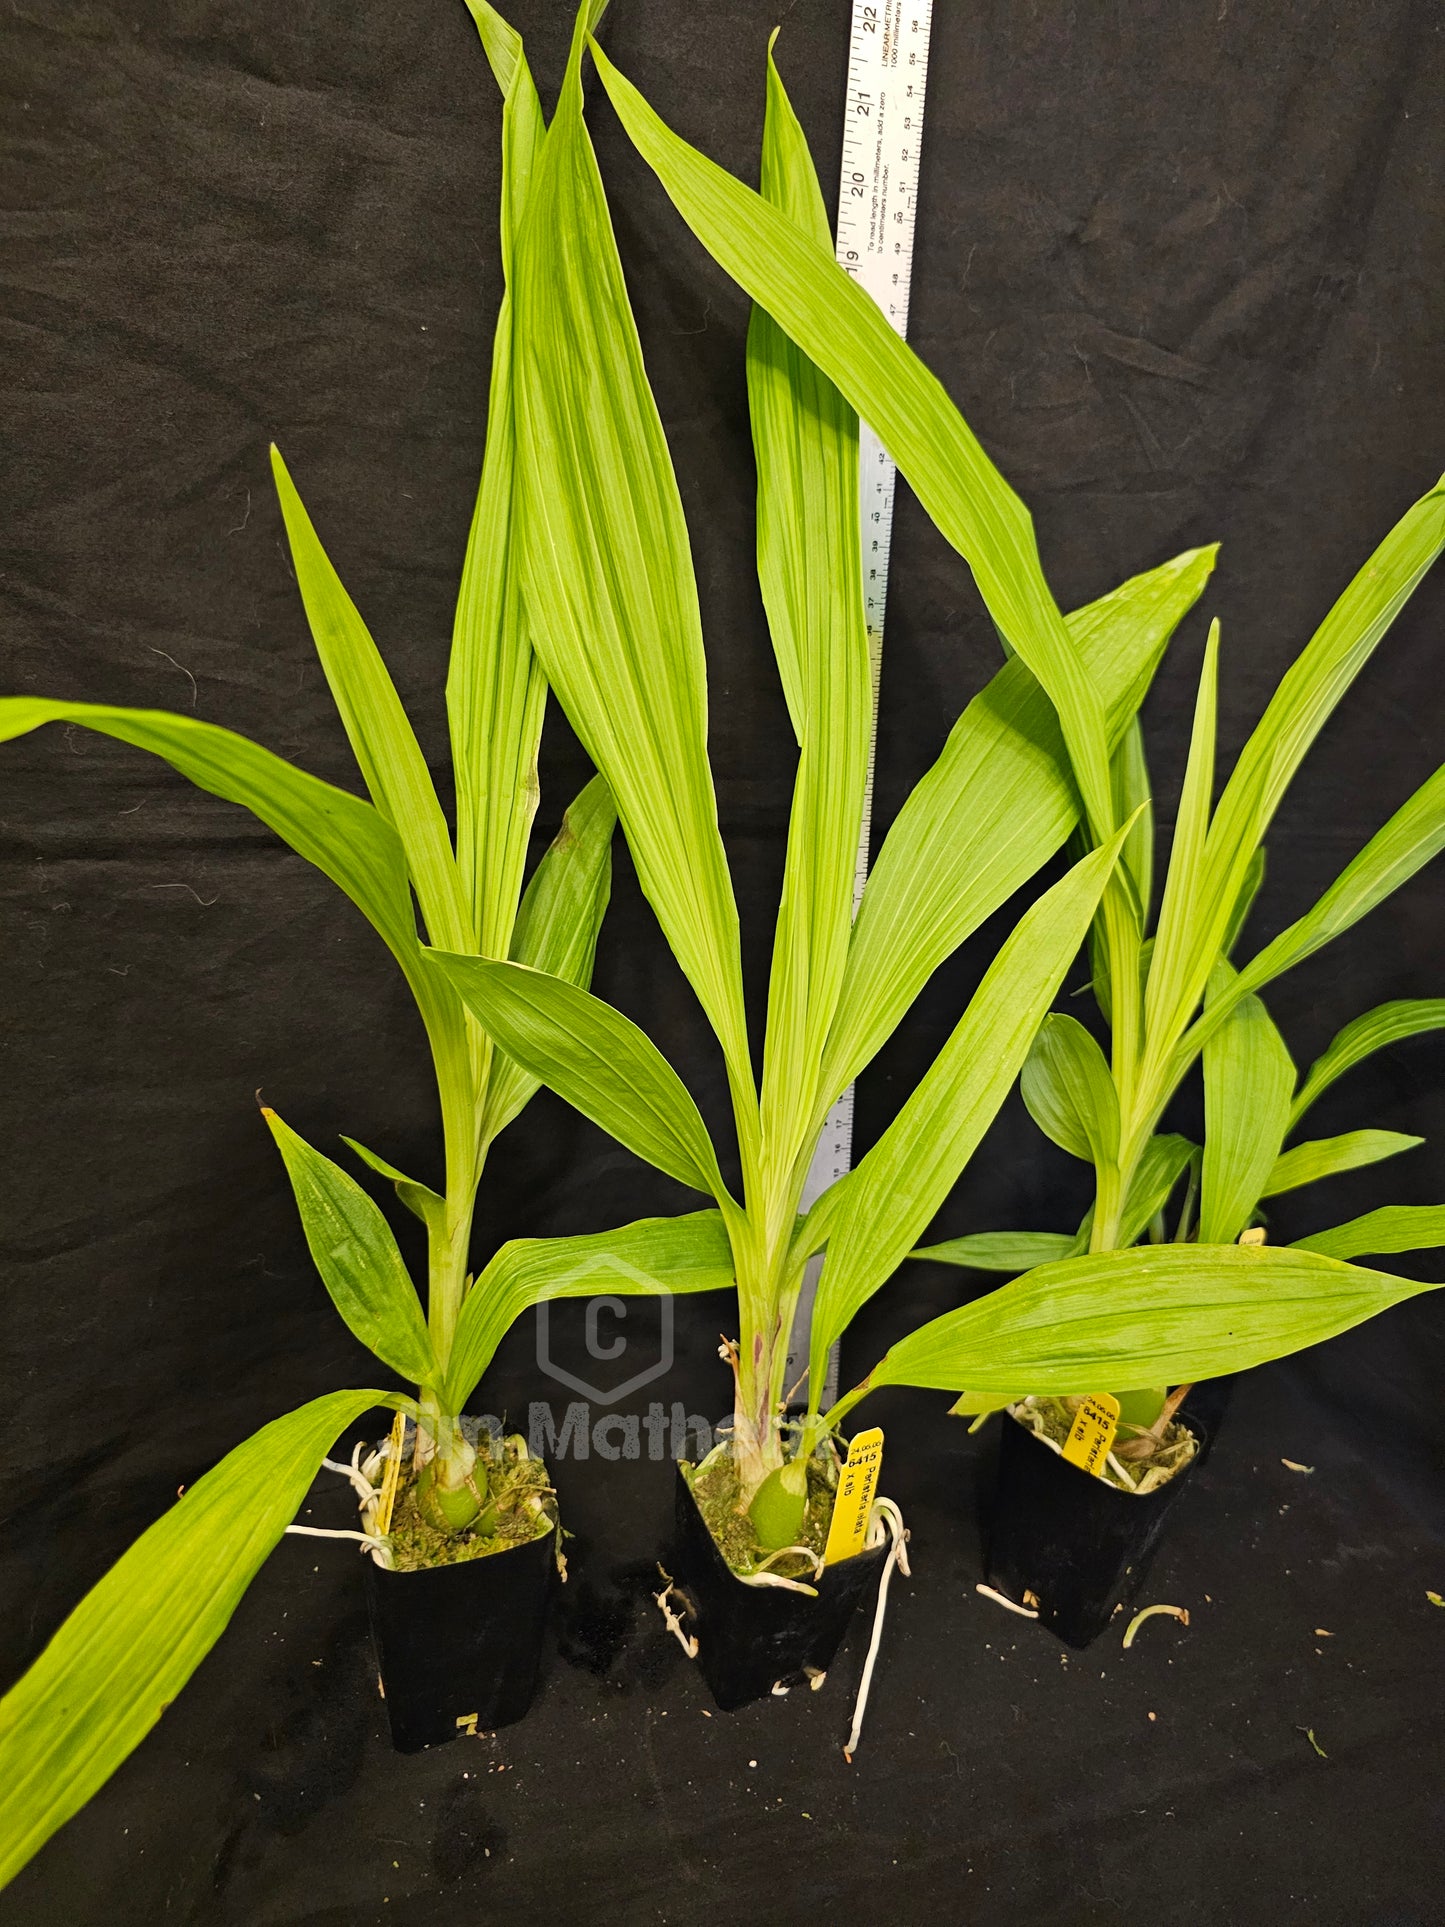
<point>1079,1545</point>
<point>751,1638</point>
<point>459,1647</point>
<point>1205,1404</point>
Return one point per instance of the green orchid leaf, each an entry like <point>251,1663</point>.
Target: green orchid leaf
<point>1182,959</point>
<point>355,1251</point>
<point>655,1255</point>
<point>496,691</point>
<point>1301,705</point>
<point>1244,902</point>
<point>558,925</point>
<point>1154,1314</point>
<point>131,1644</point>
<point>1000,1250</point>
<point>593,1056</point>
<point>1163,1163</point>
<point>1249,1079</point>
<point>1393,1227</point>
<point>606,570</point>
<point>1387,1024</point>
<point>381,737</point>
<point>1322,1157</point>
<point>1413,835</point>
<point>844,332</point>
<point>419,1199</point>
<point>810,568</point>
<point>345,838</point>
<point>995,807</point>
<point>1134,798</point>
<point>1069,1093</point>
<point>895,1190</point>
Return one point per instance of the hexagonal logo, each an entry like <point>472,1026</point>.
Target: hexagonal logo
<point>637,1345</point>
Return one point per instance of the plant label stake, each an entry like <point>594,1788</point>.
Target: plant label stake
<point>857,1483</point>
<point>1092,1437</point>
<point>877,202</point>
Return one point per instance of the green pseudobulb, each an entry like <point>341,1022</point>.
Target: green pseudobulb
<point>451,1507</point>
<point>778,1506</point>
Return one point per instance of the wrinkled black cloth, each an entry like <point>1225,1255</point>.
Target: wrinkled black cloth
<point>1180,266</point>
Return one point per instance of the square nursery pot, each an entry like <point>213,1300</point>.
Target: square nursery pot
<point>460,1647</point>
<point>751,1638</point>
<point>1207,1401</point>
<point>1079,1545</point>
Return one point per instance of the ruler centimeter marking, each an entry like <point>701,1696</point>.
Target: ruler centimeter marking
<point>877,204</point>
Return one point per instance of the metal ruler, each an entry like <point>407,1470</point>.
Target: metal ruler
<point>877,202</point>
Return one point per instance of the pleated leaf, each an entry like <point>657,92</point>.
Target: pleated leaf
<point>593,1056</point>
<point>1387,1024</point>
<point>558,925</point>
<point>1181,960</point>
<point>381,737</point>
<point>419,1199</point>
<point>1068,1090</point>
<point>1301,705</point>
<point>1413,835</point>
<point>810,568</point>
<point>673,1255</point>
<point>995,806</point>
<point>1000,1250</point>
<point>1132,794</point>
<point>1249,1080</point>
<point>354,1249</point>
<point>837,325</point>
<point>496,691</point>
<point>607,574</point>
<point>1244,902</point>
<point>1158,1171</point>
<point>347,839</point>
<point>1394,1227</point>
<point>131,1644</point>
<point>1152,1315</point>
<point>1322,1157</point>
<point>895,1190</point>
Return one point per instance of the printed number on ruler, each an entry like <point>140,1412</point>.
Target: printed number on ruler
<point>877,201</point>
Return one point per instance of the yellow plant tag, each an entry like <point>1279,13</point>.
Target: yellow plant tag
<point>857,1483</point>
<point>391,1476</point>
<point>1092,1437</point>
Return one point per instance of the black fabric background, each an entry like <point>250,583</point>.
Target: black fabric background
<point>1179,264</point>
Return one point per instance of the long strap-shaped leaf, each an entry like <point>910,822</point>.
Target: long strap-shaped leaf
<point>343,836</point>
<point>496,691</point>
<point>842,330</point>
<point>608,580</point>
<point>895,1190</point>
<point>1249,1078</point>
<point>995,806</point>
<point>1387,1024</point>
<point>381,737</point>
<point>1303,702</point>
<point>355,1251</point>
<point>1323,1157</point>
<point>1413,835</point>
<point>810,568</point>
<point>558,925</point>
<point>1173,965</point>
<point>1394,1227</point>
<point>1153,1315</point>
<point>135,1639</point>
<point>596,1058</point>
<point>683,1254</point>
